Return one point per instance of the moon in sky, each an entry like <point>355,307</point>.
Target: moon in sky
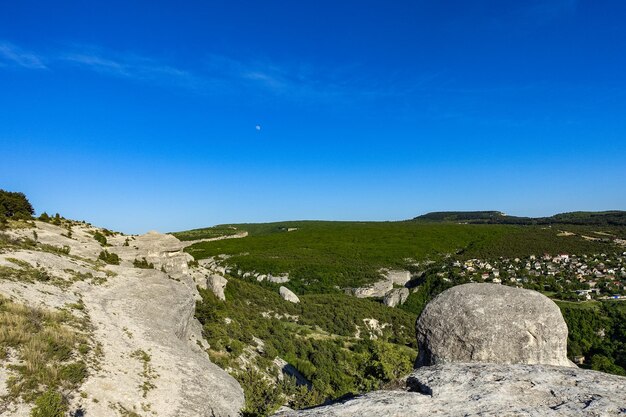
<point>258,127</point>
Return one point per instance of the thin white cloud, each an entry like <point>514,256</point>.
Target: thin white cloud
<point>11,55</point>
<point>217,75</point>
<point>133,67</point>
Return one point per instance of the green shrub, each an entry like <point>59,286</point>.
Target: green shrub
<point>143,263</point>
<point>74,373</point>
<point>100,238</point>
<point>262,398</point>
<point>49,404</point>
<point>110,258</point>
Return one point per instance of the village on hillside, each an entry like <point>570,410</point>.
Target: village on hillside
<point>563,276</point>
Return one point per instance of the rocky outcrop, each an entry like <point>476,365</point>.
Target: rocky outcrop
<point>217,283</point>
<point>397,276</point>
<point>278,279</point>
<point>377,289</point>
<point>396,297</point>
<point>491,351</point>
<point>288,295</point>
<point>492,323</point>
<point>149,347</point>
<point>389,279</point>
<point>477,389</point>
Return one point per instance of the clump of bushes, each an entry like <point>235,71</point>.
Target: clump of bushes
<point>110,258</point>
<point>100,238</point>
<point>143,263</point>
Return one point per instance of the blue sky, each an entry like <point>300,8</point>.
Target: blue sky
<point>143,115</point>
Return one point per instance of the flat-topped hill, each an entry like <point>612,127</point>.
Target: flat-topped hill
<point>589,218</point>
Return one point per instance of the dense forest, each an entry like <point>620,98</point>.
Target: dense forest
<point>597,332</point>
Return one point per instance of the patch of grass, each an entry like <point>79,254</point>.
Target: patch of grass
<point>49,404</point>
<point>148,374</point>
<point>61,250</point>
<point>47,345</point>
<point>27,273</point>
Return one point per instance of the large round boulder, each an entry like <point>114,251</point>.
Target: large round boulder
<point>492,323</point>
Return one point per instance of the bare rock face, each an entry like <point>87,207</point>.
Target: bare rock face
<point>492,323</point>
<point>288,295</point>
<point>396,297</point>
<point>480,389</point>
<point>398,277</point>
<point>217,283</point>
<point>133,313</point>
<point>380,288</point>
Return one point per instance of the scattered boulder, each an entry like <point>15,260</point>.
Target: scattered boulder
<point>492,323</point>
<point>374,327</point>
<point>397,276</point>
<point>288,295</point>
<point>217,283</point>
<point>377,289</point>
<point>278,279</point>
<point>396,296</point>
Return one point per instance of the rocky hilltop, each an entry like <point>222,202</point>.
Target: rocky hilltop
<point>490,350</point>
<point>130,300</point>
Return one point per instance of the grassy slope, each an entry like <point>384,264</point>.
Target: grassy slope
<point>322,255</point>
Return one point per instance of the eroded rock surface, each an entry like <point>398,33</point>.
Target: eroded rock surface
<point>151,358</point>
<point>383,287</point>
<point>492,323</point>
<point>217,283</point>
<point>489,390</point>
<point>396,297</point>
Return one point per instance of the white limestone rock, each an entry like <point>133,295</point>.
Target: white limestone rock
<point>217,283</point>
<point>396,296</point>
<point>130,309</point>
<point>288,295</point>
<point>492,323</point>
<point>478,389</point>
